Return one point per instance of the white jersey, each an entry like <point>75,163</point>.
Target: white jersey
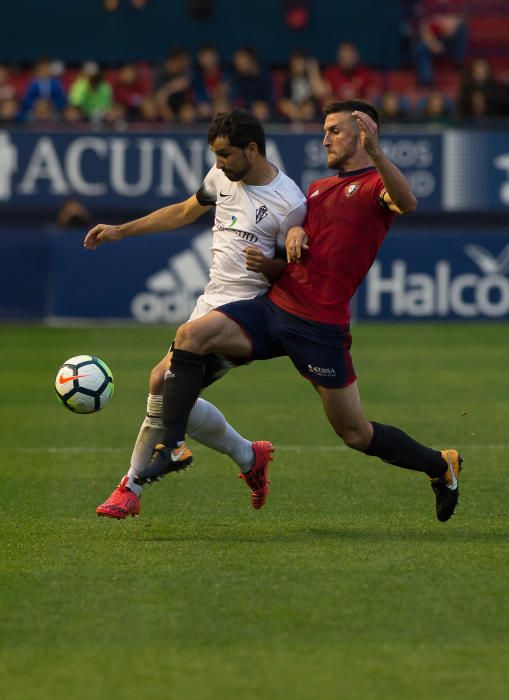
<point>246,215</point>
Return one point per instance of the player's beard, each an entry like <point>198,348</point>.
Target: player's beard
<point>238,174</point>
<point>340,161</point>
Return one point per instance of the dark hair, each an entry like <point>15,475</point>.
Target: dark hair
<point>353,106</point>
<point>208,46</point>
<point>240,127</point>
<point>177,52</point>
<point>250,50</point>
<point>299,53</point>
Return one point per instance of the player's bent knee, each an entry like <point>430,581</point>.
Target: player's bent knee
<point>194,338</point>
<point>355,438</point>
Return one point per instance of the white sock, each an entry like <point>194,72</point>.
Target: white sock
<point>208,426</point>
<point>151,432</point>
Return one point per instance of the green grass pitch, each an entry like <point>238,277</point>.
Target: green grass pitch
<point>344,587</point>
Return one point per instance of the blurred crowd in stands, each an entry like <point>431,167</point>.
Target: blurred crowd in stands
<point>442,82</point>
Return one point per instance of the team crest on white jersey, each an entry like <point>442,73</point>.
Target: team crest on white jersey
<point>261,213</point>
<point>352,189</point>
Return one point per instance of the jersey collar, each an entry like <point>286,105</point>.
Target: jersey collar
<point>351,173</point>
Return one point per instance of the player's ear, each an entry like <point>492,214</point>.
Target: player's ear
<point>251,150</point>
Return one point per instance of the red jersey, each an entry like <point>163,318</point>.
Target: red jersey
<point>348,85</point>
<point>346,223</point>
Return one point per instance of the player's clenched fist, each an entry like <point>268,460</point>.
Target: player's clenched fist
<point>255,260</point>
<point>102,233</point>
<point>296,244</point>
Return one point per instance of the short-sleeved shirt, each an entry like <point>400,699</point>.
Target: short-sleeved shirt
<point>346,224</point>
<point>245,216</point>
<point>348,85</point>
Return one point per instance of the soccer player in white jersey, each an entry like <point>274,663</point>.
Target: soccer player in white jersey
<point>256,204</point>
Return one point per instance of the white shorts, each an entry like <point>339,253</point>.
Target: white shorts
<point>201,308</point>
<point>221,364</point>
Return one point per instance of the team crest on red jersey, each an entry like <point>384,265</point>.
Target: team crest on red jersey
<point>352,188</point>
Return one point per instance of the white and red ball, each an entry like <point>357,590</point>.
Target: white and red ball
<point>84,384</point>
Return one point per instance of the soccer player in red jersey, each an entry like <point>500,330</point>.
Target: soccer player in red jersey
<point>305,315</point>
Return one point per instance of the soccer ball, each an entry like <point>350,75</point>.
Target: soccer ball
<point>84,384</point>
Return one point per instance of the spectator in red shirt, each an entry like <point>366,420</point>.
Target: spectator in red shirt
<point>129,90</point>
<point>7,87</point>
<point>348,78</point>
<point>441,31</point>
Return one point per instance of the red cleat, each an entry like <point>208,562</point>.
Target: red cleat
<point>257,477</point>
<point>120,504</point>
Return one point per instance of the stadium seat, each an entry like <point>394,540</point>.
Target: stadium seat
<point>448,81</point>
<point>278,76</point>
<point>69,76</point>
<point>402,81</point>
<point>489,31</point>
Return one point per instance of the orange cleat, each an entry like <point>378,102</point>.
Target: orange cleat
<point>446,487</point>
<point>121,503</point>
<point>257,477</point>
<point>164,460</point>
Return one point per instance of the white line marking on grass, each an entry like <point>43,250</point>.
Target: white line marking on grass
<point>279,448</point>
<point>56,450</point>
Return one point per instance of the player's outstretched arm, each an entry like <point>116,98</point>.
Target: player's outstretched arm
<point>165,219</point>
<point>399,196</point>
